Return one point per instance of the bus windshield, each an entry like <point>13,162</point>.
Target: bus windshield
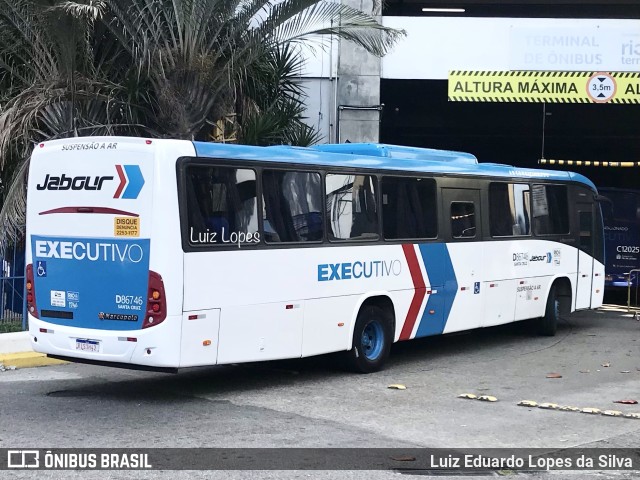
<point>621,215</point>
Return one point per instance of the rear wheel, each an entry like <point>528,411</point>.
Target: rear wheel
<point>548,324</point>
<point>372,339</point>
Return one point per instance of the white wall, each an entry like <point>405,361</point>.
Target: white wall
<point>319,81</point>
<point>320,106</point>
<point>435,45</point>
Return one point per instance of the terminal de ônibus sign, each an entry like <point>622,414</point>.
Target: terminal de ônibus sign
<point>544,86</point>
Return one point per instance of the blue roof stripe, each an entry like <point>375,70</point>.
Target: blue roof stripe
<point>397,151</point>
<point>427,161</point>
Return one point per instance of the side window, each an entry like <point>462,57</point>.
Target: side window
<point>351,207</point>
<point>409,208</point>
<point>550,209</point>
<point>586,229</point>
<point>463,220</point>
<point>509,213</point>
<point>292,206</point>
<point>221,206</point>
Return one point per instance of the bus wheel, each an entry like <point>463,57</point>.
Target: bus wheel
<point>548,324</point>
<point>371,340</point>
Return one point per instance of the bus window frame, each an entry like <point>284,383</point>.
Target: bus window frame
<point>436,208</point>
<point>261,206</point>
<point>570,209</point>
<point>378,203</point>
<point>187,246</point>
<point>476,220</point>
<point>489,215</point>
<point>442,180</point>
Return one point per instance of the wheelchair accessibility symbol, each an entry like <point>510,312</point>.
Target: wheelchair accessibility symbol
<point>41,269</point>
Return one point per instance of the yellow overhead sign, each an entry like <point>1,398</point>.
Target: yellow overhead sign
<point>552,87</point>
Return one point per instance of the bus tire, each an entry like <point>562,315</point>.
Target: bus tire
<point>548,324</point>
<point>372,339</point>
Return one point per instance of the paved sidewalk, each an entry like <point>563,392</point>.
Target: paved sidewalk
<point>16,351</point>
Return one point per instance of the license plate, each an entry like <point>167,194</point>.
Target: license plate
<point>86,345</point>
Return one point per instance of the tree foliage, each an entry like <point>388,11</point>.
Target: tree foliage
<point>160,68</point>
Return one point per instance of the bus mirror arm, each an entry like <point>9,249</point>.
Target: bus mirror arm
<point>601,198</point>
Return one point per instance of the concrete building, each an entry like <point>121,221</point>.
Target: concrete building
<point>406,97</point>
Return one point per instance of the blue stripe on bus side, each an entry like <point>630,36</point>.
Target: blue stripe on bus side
<point>136,181</point>
<point>442,277</point>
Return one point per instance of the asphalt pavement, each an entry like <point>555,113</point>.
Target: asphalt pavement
<point>593,361</point>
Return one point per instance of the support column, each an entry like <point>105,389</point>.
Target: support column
<point>358,111</point>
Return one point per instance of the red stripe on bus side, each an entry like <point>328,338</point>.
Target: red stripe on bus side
<point>100,210</point>
<point>419,291</point>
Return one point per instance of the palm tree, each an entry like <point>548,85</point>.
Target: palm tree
<point>271,101</point>
<point>167,68</point>
<point>197,54</point>
<point>54,85</point>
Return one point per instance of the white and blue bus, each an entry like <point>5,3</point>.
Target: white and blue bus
<point>621,216</point>
<point>163,254</point>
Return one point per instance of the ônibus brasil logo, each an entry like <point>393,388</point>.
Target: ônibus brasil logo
<point>130,176</point>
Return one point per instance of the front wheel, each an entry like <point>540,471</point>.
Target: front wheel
<point>548,324</point>
<point>372,339</point>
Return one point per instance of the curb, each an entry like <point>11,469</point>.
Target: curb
<point>28,360</point>
<point>15,342</point>
<point>15,351</point>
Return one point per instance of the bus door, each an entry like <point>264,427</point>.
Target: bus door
<point>585,254</point>
<point>462,231</point>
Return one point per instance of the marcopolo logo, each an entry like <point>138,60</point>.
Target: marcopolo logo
<point>91,251</point>
<point>130,176</point>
